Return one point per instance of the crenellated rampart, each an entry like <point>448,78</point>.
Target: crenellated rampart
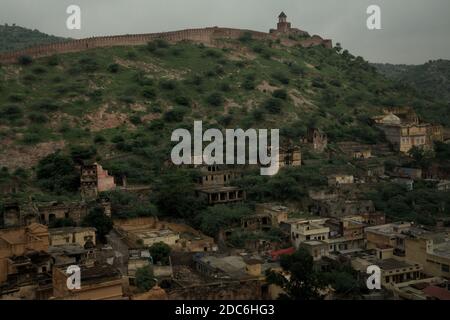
<point>201,35</point>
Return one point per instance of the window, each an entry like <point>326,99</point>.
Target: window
<point>445,268</point>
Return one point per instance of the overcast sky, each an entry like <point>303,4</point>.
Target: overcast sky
<point>413,31</point>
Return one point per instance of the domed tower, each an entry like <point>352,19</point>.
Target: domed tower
<point>283,26</point>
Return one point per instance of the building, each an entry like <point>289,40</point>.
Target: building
<point>430,249</point>
<point>144,232</point>
<point>93,180</point>
<point>393,270</point>
<point>284,27</point>
<point>25,264</point>
<point>17,242</point>
<point>268,215</point>
<point>346,233</point>
<point>317,139</point>
<point>355,150</point>
<point>220,195</point>
<point>72,235</point>
<point>51,211</point>
<point>410,173</point>
<point>404,131</point>
<point>289,156</point>
<point>302,230</point>
<point>316,248</point>
<point>335,180</point>
<point>214,175</point>
<point>101,282</point>
<point>391,235</point>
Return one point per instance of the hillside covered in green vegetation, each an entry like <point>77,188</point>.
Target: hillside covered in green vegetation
<point>13,37</point>
<point>119,106</point>
<point>431,79</point>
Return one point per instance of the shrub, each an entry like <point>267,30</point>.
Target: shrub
<point>168,84</point>
<point>37,117</point>
<point>45,105</point>
<point>273,105</point>
<point>53,61</point>
<point>281,77</point>
<point>12,112</point>
<point>175,115</point>
<point>182,100</point>
<point>215,99</point>
<point>149,93</point>
<point>25,60</point>
<point>39,70</point>
<point>113,68</point>
<point>280,94</point>
<point>99,139</point>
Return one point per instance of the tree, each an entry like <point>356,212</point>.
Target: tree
<point>160,253</point>
<point>97,219</point>
<point>174,194</point>
<point>144,278</point>
<point>57,173</point>
<point>304,282</point>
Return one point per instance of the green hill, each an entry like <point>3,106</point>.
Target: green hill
<point>15,37</point>
<point>431,79</point>
<point>119,106</point>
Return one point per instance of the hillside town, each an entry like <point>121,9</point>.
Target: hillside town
<point>337,226</point>
<point>342,206</point>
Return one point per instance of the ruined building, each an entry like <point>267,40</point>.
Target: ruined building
<point>94,180</point>
<point>213,185</point>
<point>317,139</point>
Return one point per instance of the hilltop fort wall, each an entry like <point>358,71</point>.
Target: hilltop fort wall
<point>202,35</point>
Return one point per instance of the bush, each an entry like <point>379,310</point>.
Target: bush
<point>113,68</point>
<point>37,117</point>
<point>39,70</point>
<point>11,112</point>
<point>215,99</point>
<point>25,60</point>
<point>53,61</point>
<point>280,94</point>
<point>168,84</point>
<point>149,93</point>
<point>99,139</point>
<point>281,77</point>
<point>160,253</point>
<point>182,101</point>
<point>174,115</point>
<point>273,105</point>
<point>144,278</point>
<point>45,105</point>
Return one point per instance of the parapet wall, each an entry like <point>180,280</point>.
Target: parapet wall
<point>202,35</point>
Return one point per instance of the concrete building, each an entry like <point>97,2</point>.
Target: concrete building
<point>144,232</point>
<point>430,249</point>
<point>72,235</point>
<point>302,230</point>
<point>17,242</point>
<point>101,282</point>
<point>335,180</point>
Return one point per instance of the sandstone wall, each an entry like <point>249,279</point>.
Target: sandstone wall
<point>201,35</point>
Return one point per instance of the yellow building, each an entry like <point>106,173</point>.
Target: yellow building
<point>432,250</point>
<point>72,235</point>
<point>102,282</point>
<point>16,242</point>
